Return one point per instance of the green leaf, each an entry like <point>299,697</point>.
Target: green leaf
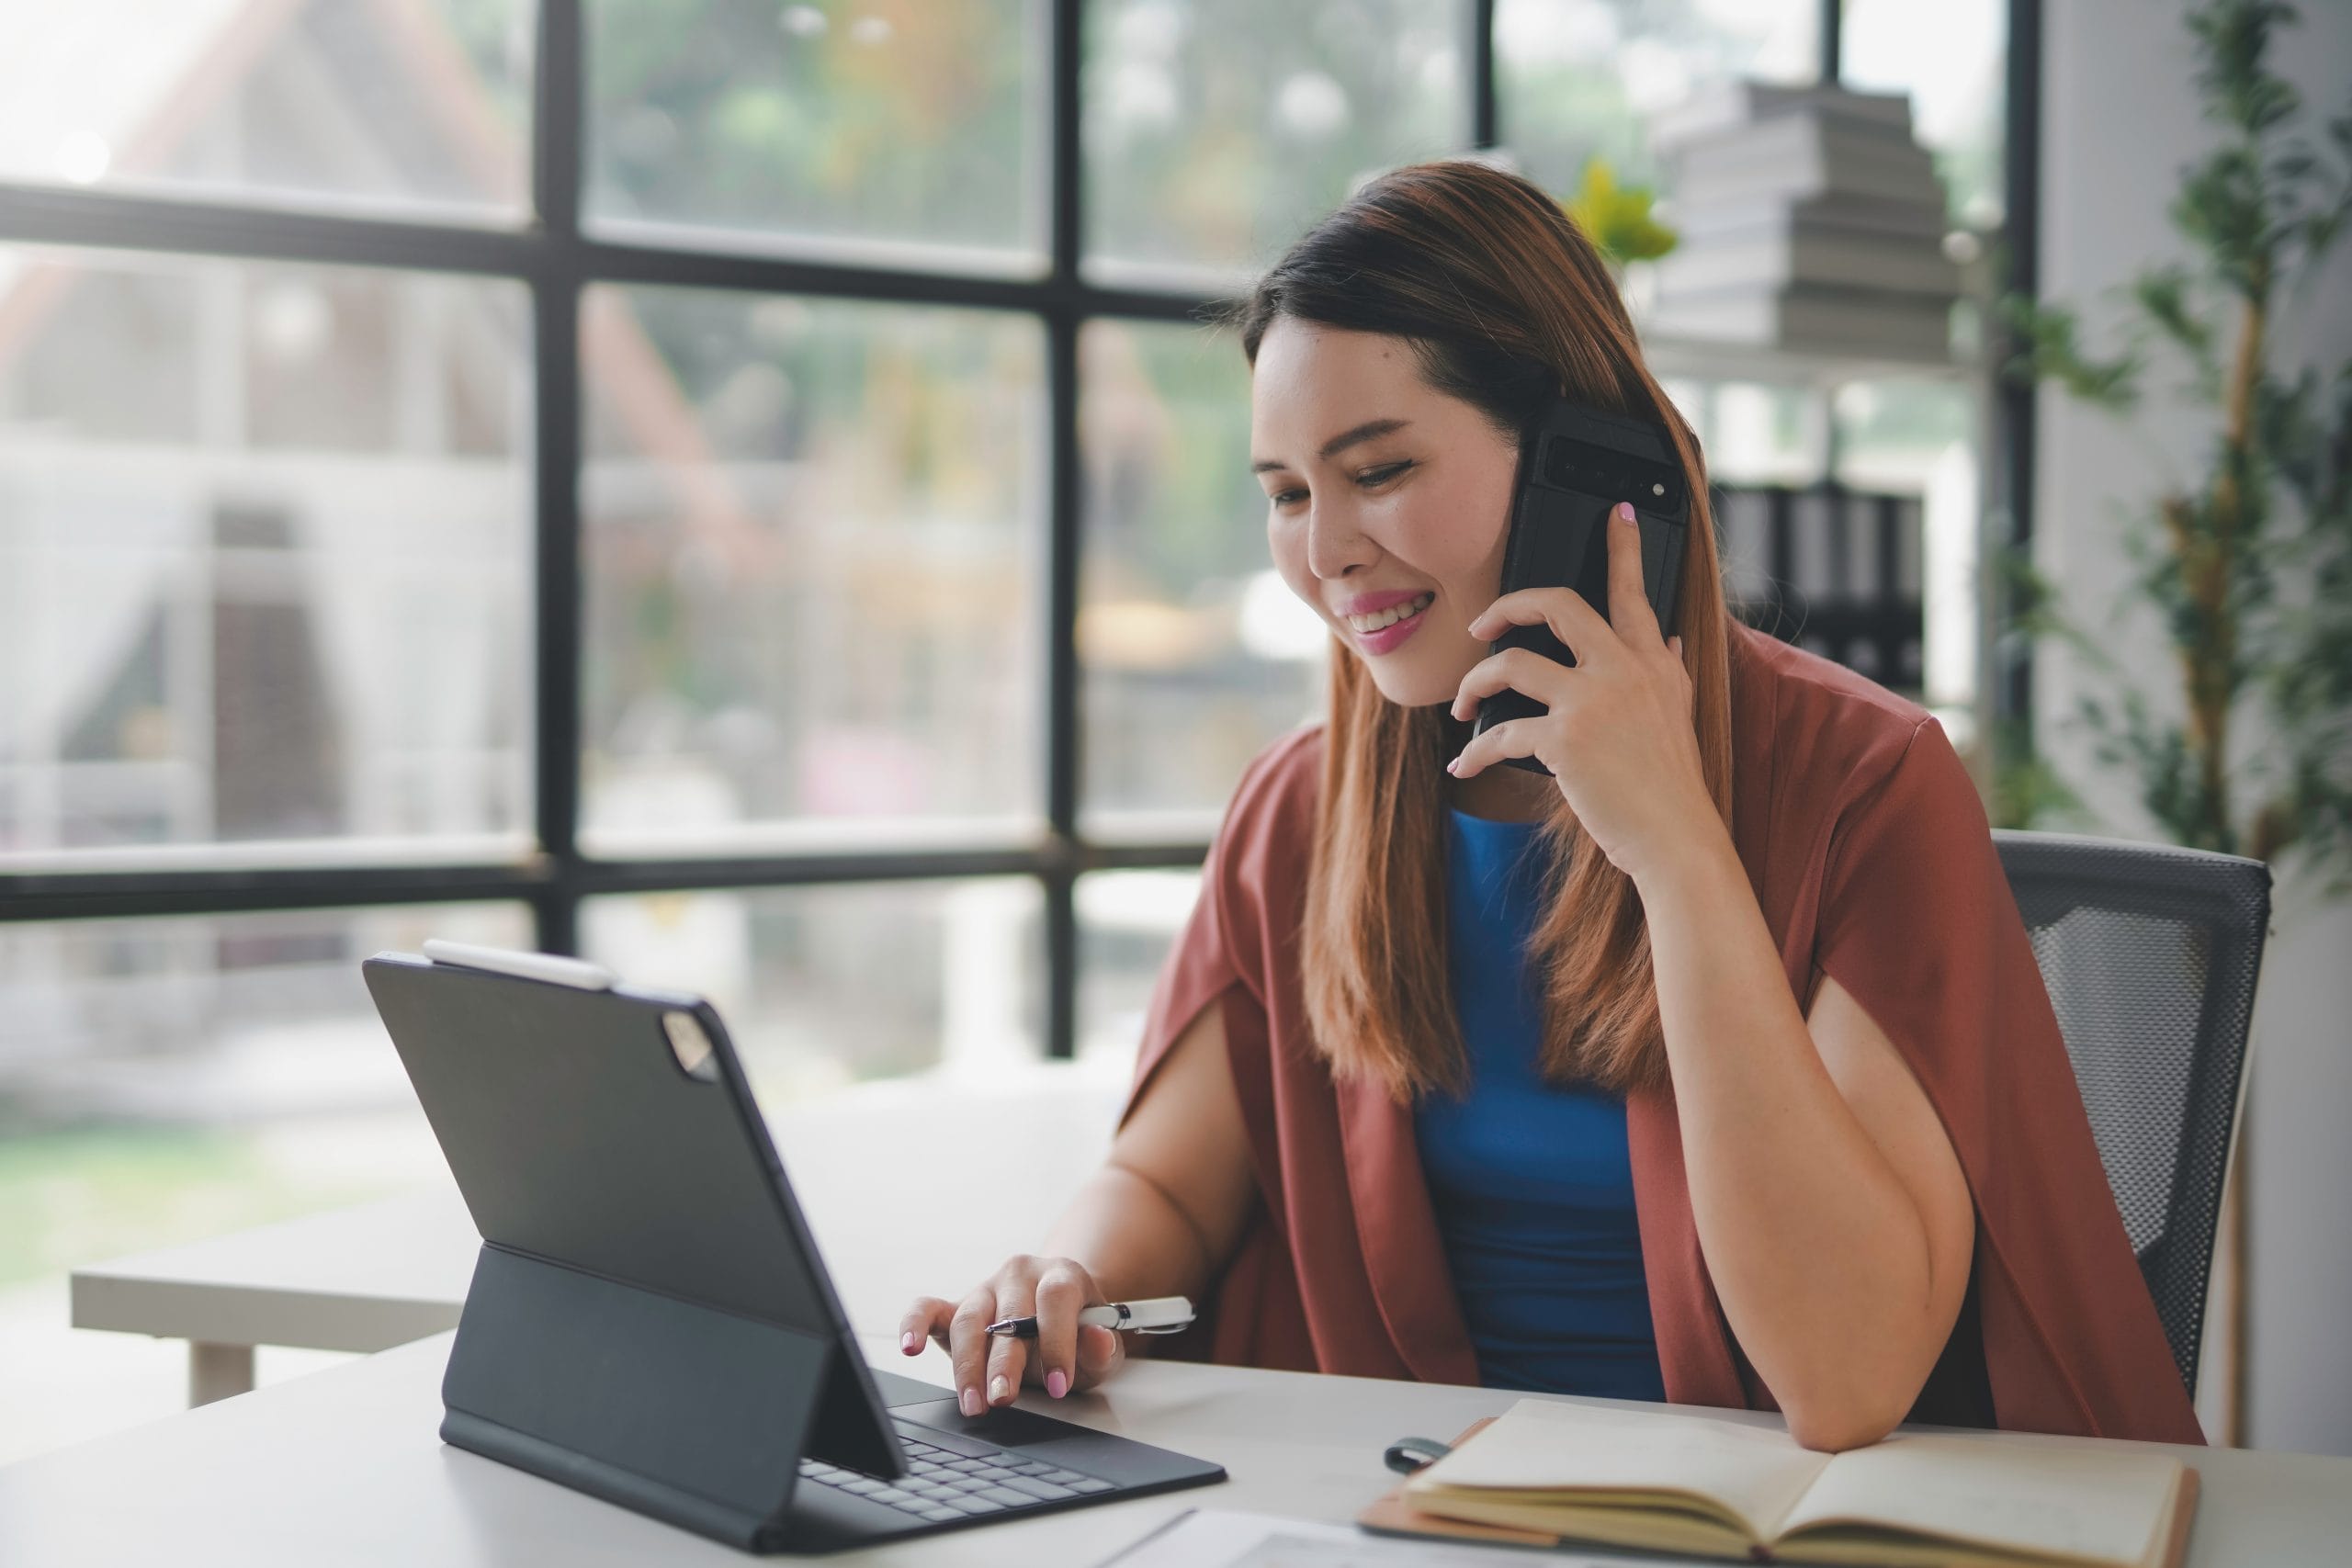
<point>2052,350</point>
<point>1617,217</point>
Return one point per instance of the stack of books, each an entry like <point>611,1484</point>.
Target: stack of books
<point>1810,218</point>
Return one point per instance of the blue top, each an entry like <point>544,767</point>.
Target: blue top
<point>1532,1186</point>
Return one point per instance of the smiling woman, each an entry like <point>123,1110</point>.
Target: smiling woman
<point>1669,1075</point>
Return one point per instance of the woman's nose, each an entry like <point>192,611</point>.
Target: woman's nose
<point>1334,540</point>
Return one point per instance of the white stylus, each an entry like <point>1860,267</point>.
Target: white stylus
<point>1159,1315</point>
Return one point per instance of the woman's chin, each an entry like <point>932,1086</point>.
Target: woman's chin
<point>1408,693</point>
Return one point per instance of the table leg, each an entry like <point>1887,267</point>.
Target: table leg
<point>216,1371</point>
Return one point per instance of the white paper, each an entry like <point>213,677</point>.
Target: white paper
<point>1217,1537</point>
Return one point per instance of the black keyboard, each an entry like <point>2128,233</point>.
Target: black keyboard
<point>960,1483</point>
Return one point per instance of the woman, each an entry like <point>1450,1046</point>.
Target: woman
<point>1714,1067</point>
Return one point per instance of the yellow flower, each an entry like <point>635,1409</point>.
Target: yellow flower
<point>1617,219</point>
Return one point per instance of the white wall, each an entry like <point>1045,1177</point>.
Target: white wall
<point>2120,118</point>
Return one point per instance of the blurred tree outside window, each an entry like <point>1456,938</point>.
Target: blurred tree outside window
<point>812,546</point>
<point>1217,131</point>
<point>1195,654</point>
<point>878,123</point>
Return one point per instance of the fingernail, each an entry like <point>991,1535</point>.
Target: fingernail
<point>969,1402</point>
<point>996,1388</point>
<point>1624,513</point>
<point>1455,766</point>
<point>1056,1383</point>
<point>909,1343</point>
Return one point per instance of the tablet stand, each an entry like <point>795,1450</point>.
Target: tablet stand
<point>693,1415</point>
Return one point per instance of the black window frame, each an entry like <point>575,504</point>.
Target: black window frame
<point>555,261</point>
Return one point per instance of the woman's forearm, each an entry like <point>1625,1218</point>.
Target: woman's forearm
<point>1132,1236</point>
<point>1818,1253</point>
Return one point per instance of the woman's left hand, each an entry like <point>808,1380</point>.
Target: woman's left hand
<point>1619,738</point>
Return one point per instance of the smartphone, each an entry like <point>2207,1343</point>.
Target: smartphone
<point>1575,465</point>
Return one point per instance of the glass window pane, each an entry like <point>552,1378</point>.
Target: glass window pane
<point>1579,78</point>
<point>265,559</point>
<point>399,105</point>
<point>1196,654</point>
<point>1953,60</point>
<point>1753,432</point>
<point>1128,922</point>
<point>167,1078</point>
<point>823,985</point>
<point>1217,131</point>
<point>812,540</point>
<point>919,122</point>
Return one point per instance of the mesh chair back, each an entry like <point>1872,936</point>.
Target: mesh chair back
<point>2150,953</point>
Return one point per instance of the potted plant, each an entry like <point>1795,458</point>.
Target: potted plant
<point>2242,743</point>
<point>2247,563</point>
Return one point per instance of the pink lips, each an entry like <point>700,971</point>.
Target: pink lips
<point>1390,638</point>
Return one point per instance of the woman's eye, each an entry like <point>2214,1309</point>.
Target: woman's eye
<point>1369,478</point>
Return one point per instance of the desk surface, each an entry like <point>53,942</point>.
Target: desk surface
<point>345,1466</point>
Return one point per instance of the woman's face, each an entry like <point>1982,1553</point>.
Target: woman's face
<point>1386,497</point>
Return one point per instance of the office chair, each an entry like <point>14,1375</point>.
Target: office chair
<point>2150,954</point>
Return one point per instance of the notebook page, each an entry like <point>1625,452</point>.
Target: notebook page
<point>1758,1473</point>
<point>2084,1502</point>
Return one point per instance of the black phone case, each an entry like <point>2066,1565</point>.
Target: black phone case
<point>1575,465</point>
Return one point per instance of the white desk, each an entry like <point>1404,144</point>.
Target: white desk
<point>912,1187</point>
<point>344,1466</point>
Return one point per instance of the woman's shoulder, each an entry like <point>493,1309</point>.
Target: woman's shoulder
<point>1822,733</point>
<point>1281,779</point>
<point>1269,819</point>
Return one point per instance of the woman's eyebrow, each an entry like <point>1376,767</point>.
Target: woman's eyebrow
<point>1367,430</point>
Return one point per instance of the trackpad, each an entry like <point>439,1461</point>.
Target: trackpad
<point>1009,1428</point>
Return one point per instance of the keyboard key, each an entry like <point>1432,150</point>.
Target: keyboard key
<point>977,1505</point>
<point>1089,1487</point>
<point>890,1495</point>
<point>1006,1497</point>
<point>1062,1477</point>
<point>1027,1466</point>
<point>1045,1491</point>
<point>864,1485</point>
<point>941,1515</point>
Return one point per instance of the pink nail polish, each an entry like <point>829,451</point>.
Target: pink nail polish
<point>1056,1383</point>
<point>909,1344</point>
<point>1453,766</point>
<point>1624,513</point>
<point>969,1402</point>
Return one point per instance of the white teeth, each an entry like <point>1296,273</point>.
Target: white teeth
<point>1390,617</point>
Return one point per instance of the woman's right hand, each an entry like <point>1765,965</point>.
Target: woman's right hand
<point>990,1369</point>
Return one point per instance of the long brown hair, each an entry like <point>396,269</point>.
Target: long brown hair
<point>1507,305</point>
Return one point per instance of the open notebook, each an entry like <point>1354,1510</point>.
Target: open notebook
<point>1545,1471</point>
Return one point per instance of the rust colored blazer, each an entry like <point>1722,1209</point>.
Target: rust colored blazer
<point>1869,850</point>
